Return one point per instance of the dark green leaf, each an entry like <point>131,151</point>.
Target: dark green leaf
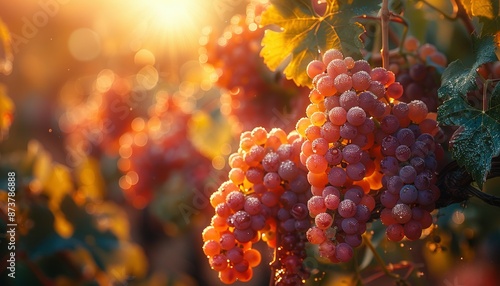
<point>52,244</point>
<point>458,79</point>
<point>396,6</point>
<point>97,242</point>
<point>477,140</point>
<point>303,35</point>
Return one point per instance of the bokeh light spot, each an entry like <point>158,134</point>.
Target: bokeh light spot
<point>84,44</point>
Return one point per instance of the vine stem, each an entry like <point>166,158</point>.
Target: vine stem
<point>459,12</point>
<point>359,280</point>
<point>379,259</point>
<point>385,16</point>
<point>275,262</point>
<point>462,14</point>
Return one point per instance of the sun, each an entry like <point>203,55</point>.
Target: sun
<point>170,28</point>
<point>176,15</point>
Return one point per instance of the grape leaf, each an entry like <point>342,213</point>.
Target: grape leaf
<point>6,55</point>
<point>208,133</point>
<point>303,34</point>
<point>478,139</point>
<point>487,12</point>
<point>458,79</point>
<point>6,113</point>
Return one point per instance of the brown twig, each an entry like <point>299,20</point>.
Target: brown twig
<point>385,16</point>
<point>455,185</point>
<point>458,12</point>
<point>402,265</point>
<point>378,258</point>
<point>275,263</point>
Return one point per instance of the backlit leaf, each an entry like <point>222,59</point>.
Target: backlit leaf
<point>487,12</point>
<point>6,112</point>
<point>303,34</point>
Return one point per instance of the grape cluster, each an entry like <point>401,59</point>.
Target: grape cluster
<point>235,56</point>
<point>350,133</point>
<point>157,148</point>
<point>359,148</point>
<point>340,152</point>
<point>270,108</point>
<point>264,199</point>
<point>252,95</point>
<point>417,72</point>
<point>95,125</point>
<point>410,161</point>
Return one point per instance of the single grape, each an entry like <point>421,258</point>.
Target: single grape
<point>395,232</point>
<point>314,68</point>
<point>401,213</point>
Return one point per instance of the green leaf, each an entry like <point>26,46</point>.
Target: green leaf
<point>487,12</point>
<point>52,244</point>
<point>303,34</point>
<point>99,243</point>
<point>458,78</point>
<point>478,139</point>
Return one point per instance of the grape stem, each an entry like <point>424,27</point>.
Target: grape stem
<point>488,86</point>
<point>385,16</point>
<point>402,265</point>
<point>378,57</point>
<point>379,259</point>
<point>458,12</point>
<point>274,264</point>
<point>393,18</point>
<point>359,279</point>
<point>455,185</point>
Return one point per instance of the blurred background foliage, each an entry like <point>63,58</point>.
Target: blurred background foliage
<point>112,121</point>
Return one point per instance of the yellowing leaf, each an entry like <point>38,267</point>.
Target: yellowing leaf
<point>111,217</point>
<point>487,12</point>
<point>61,225</point>
<point>208,135</point>
<point>303,34</point>
<point>6,55</point>
<point>89,179</point>
<point>136,262</point>
<point>6,111</point>
<point>55,179</point>
<point>58,183</point>
<point>42,162</point>
<point>128,260</point>
<point>483,9</point>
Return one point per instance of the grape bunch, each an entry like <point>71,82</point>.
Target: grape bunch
<point>264,199</point>
<point>411,156</point>
<point>350,141</point>
<point>155,149</point>
<point>417,72</point>
<point>358,149</point>
<point>235,56</point>
<point>251,94</point>
<point>339,151</point>
<point>94,126</point>
<point>276,108</point>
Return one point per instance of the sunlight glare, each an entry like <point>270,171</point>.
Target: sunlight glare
<point>170,29</point>
<point>172,13</point>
